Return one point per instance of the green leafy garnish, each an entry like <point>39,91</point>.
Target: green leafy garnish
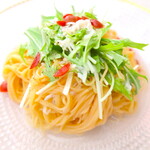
<point>47,18</point>
<point>122,43</point>
<point>22,50</point>
<point>59,15</point>
<point>35,40</point>
<point>120,87</point>
<point>119,59</point>
<point>90,15</point>
<point>85,47</point>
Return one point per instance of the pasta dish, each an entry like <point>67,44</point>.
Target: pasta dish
<point>73,73</point>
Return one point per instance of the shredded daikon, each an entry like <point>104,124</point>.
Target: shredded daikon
<point>25,96</point>
<point>46,87</point>
<point>68,83</point>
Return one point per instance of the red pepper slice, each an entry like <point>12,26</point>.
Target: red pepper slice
<point>84,18</point>
<point>95,23</point>
<point>61,23</point>
<point>3,87</point>
<point>78,18</point>
<point>35,61</point>
<point>130,49</point>
<point>70,18</point>
<point>62,70</point>
<point>67,15</point>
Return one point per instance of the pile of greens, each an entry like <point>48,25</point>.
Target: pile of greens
<point>90,53</point>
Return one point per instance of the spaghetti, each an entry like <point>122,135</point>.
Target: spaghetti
<point>70,103</point>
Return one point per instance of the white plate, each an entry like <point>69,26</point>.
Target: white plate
<point>128,133</point>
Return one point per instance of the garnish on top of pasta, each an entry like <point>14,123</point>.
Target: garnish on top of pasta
<point>73,73</point>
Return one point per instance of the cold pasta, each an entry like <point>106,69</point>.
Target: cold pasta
<point>73,74</point>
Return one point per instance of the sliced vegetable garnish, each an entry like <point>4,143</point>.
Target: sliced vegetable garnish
<point>62,70</point>
<point>70,18</point>
<point>95,23</point>
<point>3,86</point>
<point>61,23</point>
<point>67,15</point>
<point>35,61</point>
<point>77,39</point>
<point>84,18</point>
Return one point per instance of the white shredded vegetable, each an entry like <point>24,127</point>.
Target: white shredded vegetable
<point>25,96</point>
<point>46,87</point>
<point>110,89</point>
<point>98,87</point>
<point>91,59</point>
<point>137,66</point>
<point>68,83</point>
<point>48,97</point>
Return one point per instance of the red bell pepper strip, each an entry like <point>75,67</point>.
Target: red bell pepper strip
<point>95,23</point>
<point>61,23</point>
<point>35,61</point>
<point>62,70</point>
<point>67,15</point>
<point>3,87</point>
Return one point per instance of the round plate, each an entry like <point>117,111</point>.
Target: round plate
<point>130,132</point>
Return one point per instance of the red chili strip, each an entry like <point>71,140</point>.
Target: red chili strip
<point>67,15</point>
<point>61,23</point>
<point>130,49</point>
<point>95,23</point>
<point>70,18</point>
<point>84,18</point>
<point>62,70</point>
<point>3,87</point>
<point>78,18</point>
<point>35,61</point>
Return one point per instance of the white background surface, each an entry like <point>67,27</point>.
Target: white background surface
<point>129,133</point>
